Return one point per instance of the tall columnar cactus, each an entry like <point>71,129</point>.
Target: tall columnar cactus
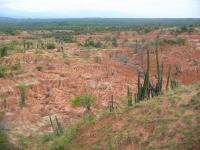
<point>52,125</point>
<point>111,106</point>
<point>157,58</point>
<point>22,95</point>
<point>136,97</point>
<point>129,97</point>
<point>4,100</point>
<point>24,43</point>
<point>59,126</point>
<point>168,77</point>
<point>59,129</point>
<point>160,72</point>
<point>136,46</point>
<point>146,80</point>
<point>139,88</point>
<point>161,78</point>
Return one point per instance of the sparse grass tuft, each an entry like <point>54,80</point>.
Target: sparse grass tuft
<point>187,119</point>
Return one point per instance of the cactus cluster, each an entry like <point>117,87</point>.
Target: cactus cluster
<point>174,84</point>
<point>144,89</point>
<point>148,89</point>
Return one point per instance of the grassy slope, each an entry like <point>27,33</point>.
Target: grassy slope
<point>170,121</point>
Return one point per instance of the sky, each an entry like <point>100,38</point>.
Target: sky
<point>106,8</point>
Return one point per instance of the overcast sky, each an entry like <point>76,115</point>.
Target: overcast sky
<point>133,8</point>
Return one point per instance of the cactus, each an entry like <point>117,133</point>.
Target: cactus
<point>147,87</point>
<point>59,129</point>
<point>129,97</point>
<point>59,126</point>
<point>136,97</point>
<point>4,100</point>
<point>143,89</point>
<point>136,46</point>
<point>168,77</point>
<point>160,72</point>
<point>52,125</point>
<point>48,90</point>
<point>22,96</point>
<point>111,106</point>
<point>157,60</point>
<point>174,84</point>
<point>146,80</point>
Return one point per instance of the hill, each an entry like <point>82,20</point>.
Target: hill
<point>170,121</point>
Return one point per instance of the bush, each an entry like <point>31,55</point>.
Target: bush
<point>3,71</point>
<point>39,68</point>
<point>51,46</point>
<point>4,143</point>
<point>114,42</point>
<point>46,137</point>
<point>15,67</point>
<point>51,67</point>
<point>179,41</point>
<point>85,100</point>
<point>98,44</point>
<point>62,75</point>
<point>3,51</point>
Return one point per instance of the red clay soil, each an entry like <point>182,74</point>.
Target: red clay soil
<point>96,70</point>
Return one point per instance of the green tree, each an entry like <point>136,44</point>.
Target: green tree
<point>191,29</point>
<point>184,29</point>
<point>98,44</point>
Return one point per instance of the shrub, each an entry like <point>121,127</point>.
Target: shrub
<point>85,100</point>
<point>114,42</point>
<point>62,75</point>
<point>51,67</point>
<point>51,46</point>
<point>3,51</point>
<point>3,71</point>
<point>187,119</point>
<point>15,67</point>
<point>39,68</point>
<point>3,138</point>
<point>46,137</point>
<point>179,41</point>
<point>67,61</point>
<point>98,44</point>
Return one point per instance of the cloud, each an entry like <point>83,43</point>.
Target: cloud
<point>144,8</point>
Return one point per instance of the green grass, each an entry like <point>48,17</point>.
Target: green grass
<point>15,67</point>
<point>62,75</point>
<point>187,119</point>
